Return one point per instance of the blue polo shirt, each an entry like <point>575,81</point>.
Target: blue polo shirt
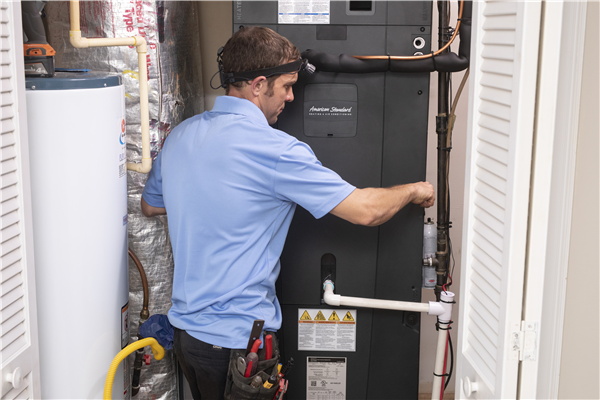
<point>230,184</point>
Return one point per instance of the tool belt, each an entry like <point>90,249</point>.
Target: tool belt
<point>239,387</point>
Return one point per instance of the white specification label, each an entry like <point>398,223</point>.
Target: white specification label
<point>326,378</point>
<point>303,11</point>
<point>326,330</point>
<point>122,149</point>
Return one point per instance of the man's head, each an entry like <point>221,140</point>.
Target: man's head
<point>272,62</point>
<point>253,48</point>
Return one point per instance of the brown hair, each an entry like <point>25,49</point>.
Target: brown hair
<point>255,47</point>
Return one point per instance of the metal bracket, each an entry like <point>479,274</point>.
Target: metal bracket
<point>525,342</point>
<point>530,333</point>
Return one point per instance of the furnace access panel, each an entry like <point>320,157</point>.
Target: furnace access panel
<point>372,130</point>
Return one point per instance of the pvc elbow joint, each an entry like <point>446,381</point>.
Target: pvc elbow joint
<point>77,41</point>
<point>329,297</point>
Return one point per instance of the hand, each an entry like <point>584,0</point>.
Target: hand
<point>423,194</point>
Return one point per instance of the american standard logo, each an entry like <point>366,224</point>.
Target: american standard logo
<point>330,110</point>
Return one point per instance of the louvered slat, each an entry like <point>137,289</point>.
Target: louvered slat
<point>12,308</point>
<point>494,152</point>
<point>7,166</point>
<point>487,266</point>
<point>8,139</point>
<point>491,222</point>
<point>490,193</point>
<point>11,258</point>
<point>493,137</point>
<point>499,8</point>
<point>503,82</point>
<point>493,167</point>
<point>489,329</point>
<point>501,22</point>
<point>494,124</point>
<point>494,96</point>
<point>499,37</point>
<point>495,181</point>
<point>12,322</point>
<point>497,106</point>
<point>495,66</point>
<point>9,206</point>
<point>487,247</point>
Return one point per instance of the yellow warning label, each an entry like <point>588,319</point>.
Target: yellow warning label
<point>348,317</point>
<point>334,317</point>
<point>305,316</point>
<point>320,316</point>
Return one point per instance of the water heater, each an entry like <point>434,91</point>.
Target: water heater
<point>76,124</point>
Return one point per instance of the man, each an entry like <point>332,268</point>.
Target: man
<point>230,184</point>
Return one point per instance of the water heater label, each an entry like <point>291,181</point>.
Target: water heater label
<point>122,149</point>
<point>326,378</point>
<point>303,12</point>
<point>326,329</point>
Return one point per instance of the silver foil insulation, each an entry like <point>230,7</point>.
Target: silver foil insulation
<point>175,93</point>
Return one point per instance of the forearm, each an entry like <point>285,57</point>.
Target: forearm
<point>150,211</point>
<point>374,206</point>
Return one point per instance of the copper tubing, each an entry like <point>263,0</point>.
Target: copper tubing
<point>424,56</point>
<point>144,314</point>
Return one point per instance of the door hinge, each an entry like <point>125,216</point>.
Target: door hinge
<point>526,341</point>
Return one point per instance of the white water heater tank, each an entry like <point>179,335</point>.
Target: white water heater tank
<point>76,124</point>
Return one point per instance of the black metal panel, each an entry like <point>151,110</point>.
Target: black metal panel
<point>389,148</point>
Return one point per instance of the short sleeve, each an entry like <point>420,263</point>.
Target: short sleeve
<point>301,178</point>
<point>153,194</point>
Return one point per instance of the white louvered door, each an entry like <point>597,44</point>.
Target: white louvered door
<point>20,355</point>
<point>502,104</point>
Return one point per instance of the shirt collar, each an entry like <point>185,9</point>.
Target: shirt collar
<point>237,105</point>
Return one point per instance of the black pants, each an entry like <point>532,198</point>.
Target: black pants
<point>204,365</point>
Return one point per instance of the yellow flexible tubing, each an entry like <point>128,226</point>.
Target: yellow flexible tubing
<point>157,350</point>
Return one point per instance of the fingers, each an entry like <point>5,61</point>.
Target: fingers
<point>427,203</point>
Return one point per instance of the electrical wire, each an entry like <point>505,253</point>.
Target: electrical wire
<point>425,56</point>
<point>451,359</point>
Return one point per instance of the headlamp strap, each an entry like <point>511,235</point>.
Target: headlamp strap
<point>231,77</point>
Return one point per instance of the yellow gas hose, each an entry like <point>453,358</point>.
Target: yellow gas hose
<point>157,350</point>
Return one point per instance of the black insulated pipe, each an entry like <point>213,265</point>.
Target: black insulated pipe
<point>441,128</point>
<point>445,62</point>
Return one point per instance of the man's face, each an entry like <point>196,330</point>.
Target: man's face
<point>272,104</point>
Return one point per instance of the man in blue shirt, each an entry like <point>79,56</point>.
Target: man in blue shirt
<point>230,184</point>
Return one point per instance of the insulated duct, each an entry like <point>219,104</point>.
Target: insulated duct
<point>175,93</point>
<point>446,62</point>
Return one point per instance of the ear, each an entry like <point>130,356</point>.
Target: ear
<point>257,85</point>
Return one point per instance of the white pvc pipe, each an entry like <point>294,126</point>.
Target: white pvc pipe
<point>332,299</point>
<point>438,368</point>
<point>446,299</point>
<point>141,48</point>
<point>443,309</point>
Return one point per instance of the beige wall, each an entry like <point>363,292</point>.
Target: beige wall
<point>579,370</point>
<point>216,25</point>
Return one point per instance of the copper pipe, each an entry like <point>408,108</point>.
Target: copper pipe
<point>424,56</point>
<point>144,314</point>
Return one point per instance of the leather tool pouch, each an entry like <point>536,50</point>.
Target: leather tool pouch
<point>238,387</point>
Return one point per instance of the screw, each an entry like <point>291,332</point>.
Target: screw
<point>422,29</point>
<point>412,319</point>
<point>420,92</point>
